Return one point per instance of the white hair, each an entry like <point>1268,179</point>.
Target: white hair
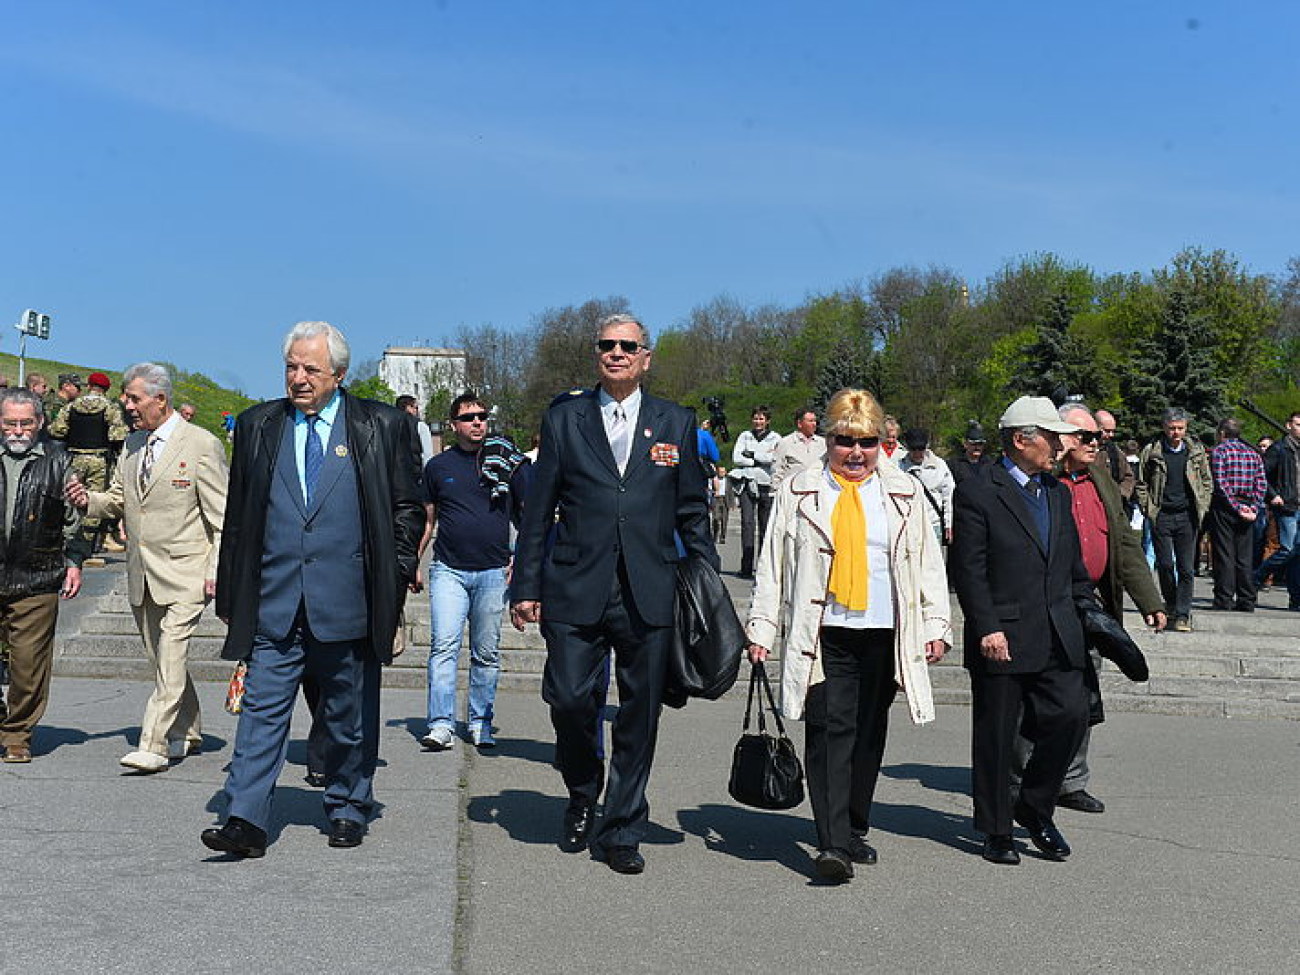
<point>340,354</point>
<point>154,377</point>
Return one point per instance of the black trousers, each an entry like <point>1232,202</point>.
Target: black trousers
<point>1234,556</point>
<point>576,663</point>
<point>754,512</point>
<point>1054,705</point>
<point>1174,537</point>
<point>847,720</point>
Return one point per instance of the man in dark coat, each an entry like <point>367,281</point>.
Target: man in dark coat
<point>323,522</point>
<point>1020,577</point>
<point>622,470</point>
<point>1113,558</point>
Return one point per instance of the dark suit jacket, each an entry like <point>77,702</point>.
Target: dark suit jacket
<point>602,515</point>
<point>1005,580</point>
<point>387,462</point>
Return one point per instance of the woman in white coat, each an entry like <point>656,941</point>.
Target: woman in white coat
<point>852,573</point>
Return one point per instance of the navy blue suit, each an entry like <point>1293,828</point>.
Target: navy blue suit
<point>607,583</point>
<point>311,573</point>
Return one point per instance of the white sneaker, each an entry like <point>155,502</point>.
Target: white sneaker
<point>143,761</point>
<point>438,739</point>
<point>482,736</point>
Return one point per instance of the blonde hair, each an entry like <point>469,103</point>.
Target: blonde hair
<point>853,413</point>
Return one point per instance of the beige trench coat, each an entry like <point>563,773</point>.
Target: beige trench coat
<point>790,592</point>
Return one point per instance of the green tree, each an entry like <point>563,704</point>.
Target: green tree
<point>850,366</point>
<point>373,388</point>
<point>1175,367</point>
<point>1058,363</point>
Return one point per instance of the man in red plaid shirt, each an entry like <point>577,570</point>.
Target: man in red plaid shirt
<point>1239,487</point>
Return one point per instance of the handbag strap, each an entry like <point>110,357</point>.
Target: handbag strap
<point>771,700</point>
<point>755,674</point>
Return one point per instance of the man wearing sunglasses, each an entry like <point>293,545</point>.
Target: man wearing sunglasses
<point>1113,558</point>
<point>621,469</point>
<point>469,572</point>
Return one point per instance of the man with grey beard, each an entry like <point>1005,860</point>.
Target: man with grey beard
<point>40,560</point>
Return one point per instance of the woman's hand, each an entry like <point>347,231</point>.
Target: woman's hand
<point>934,651</point>
<point>757,654</point>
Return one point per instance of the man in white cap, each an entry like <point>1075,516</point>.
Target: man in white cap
<point>1018,570</point>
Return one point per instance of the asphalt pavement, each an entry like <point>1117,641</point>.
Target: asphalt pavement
<point>1192,868</point>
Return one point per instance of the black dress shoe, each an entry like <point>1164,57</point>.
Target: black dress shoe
<point>834,866</point>
<point>578,819</point>
<point>315,779</point>
<point>1043,834</point>
<point>860,851</point>
<point>1081,801</point>
<point>345,833</point>
<point>624,859</point>
<point>238,837</point>
<point>1000,849</point>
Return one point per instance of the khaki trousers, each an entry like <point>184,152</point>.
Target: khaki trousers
<point>172,712</point>
<point>27,625</point>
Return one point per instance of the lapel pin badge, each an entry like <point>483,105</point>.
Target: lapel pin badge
<point>341,450</point>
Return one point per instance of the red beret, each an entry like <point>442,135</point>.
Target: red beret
<point>99,379</point>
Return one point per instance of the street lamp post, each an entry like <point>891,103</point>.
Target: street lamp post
<point>32,323</point>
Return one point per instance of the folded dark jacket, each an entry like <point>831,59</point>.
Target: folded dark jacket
<point>1105,635</point>
<point>708,640</point>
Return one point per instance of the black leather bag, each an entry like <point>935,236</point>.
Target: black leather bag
<point>765,771</point>
<point>708,640</point>
<point>1108,637</point>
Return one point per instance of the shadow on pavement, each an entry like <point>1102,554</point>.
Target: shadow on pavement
<point>50,738</point>
<point>751,834</point>
<point>532,817</point>
<point>940,778</point>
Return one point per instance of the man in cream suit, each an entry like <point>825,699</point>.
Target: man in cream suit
<point>170,487</point>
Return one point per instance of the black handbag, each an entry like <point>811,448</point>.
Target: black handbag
<point>765,771</point>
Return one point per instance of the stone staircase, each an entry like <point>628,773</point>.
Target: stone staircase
<point>1233,665</point>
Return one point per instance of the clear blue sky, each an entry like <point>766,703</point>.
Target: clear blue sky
<point>183,181</point>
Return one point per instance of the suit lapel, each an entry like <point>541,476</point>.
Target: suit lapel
<point>592,428</point>
<point>171,447</point>
<point>286,463</point>
<point>649,424</point>
<point>336,457</point>
<point>1010,494</point>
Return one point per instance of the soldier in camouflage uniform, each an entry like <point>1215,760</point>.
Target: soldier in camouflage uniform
<point>92,429</point>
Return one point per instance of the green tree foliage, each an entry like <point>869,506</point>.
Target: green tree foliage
<point>850,366</point>
<point>1175,367</point>
<point>1059,363</point>
<point>373,388</point>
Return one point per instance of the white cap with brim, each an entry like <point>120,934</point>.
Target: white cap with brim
<point>1035,411</point>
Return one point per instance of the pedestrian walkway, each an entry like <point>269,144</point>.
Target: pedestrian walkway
<point>1191,869</point>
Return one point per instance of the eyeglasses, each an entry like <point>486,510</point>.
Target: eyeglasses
<point>1088,436</point>
<point>19,424</point>
<point>630,346</point>
<point>848,443</point>
<point>478,417</point>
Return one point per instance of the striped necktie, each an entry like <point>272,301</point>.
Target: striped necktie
<point>147,460</point>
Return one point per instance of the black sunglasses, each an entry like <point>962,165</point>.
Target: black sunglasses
<point>481,416</point>
<point>1088,436</point>
<point>629,346</point>
<point>848,443</point>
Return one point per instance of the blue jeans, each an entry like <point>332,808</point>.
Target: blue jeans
<point>1283,562</point>
<point>454,597</point>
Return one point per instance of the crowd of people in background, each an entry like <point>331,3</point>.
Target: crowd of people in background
<point>852,527</point>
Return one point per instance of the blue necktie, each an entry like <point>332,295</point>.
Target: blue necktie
<point>313,459</point>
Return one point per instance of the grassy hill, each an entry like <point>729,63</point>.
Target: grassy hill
<point>187,387</point>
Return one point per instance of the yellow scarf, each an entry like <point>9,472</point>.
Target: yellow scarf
<point>850,572</point>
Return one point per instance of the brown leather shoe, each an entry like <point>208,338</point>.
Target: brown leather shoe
<point>17,754</point>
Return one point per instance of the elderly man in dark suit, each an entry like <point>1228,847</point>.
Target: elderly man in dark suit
<point>621,468</point>
<point>323,521</point>
<point>1019,574</point>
